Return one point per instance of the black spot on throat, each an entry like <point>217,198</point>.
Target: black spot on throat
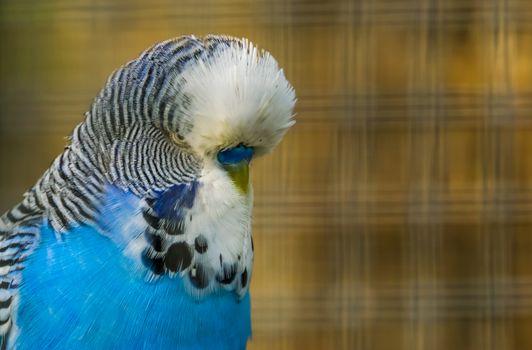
<point>228,274</point>
<point>198,276</point>
<point>173,228</point>
<point>244,278</point>
<point>178,257</point>
<point>154,240</point>
<point>155,264</point>
<point>152,220</point>
<point>200,244</point>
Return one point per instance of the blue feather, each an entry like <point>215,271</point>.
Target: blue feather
<point>171,202</point>
<point>80,292</point>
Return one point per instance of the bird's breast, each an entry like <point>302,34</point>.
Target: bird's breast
<point>80,291</point>
<point>199,232</point>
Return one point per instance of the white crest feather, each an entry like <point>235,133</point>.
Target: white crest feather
<point>237,95</point>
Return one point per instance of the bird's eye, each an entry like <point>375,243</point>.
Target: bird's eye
<point>235,155</point>
<point>177,138</point>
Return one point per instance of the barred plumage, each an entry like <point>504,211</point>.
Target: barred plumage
<point>134,94</point>
<point>145,135</point>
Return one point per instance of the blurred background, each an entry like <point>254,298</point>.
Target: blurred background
<point>396,214</point>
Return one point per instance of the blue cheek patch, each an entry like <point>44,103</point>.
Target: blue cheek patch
<point>235,155</point>
<point>171,202</point>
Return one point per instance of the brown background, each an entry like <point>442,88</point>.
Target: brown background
<point>397,212</point>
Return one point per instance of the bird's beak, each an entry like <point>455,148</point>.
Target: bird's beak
<point>239,173</point>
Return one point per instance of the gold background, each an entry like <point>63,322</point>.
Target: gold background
<point>396,214</point>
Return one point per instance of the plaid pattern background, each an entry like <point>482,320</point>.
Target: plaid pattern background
<point>397,212</point>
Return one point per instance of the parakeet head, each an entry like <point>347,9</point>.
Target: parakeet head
<point>161,162</point>
<point>219,100</point>
<point>236,104</point>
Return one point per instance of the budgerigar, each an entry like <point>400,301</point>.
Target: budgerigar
<point>138,236</point>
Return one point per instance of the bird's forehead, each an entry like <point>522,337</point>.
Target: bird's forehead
<point>236,94</point>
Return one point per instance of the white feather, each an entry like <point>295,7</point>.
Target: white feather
<point>238,95</point>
